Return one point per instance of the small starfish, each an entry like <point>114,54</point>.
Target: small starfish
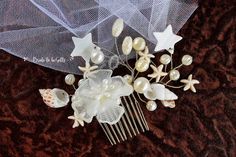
<point>189,83</point>
<point>87,69</point>
<point>157,72</point>
<point>78,120</point>
<point>146,55</point>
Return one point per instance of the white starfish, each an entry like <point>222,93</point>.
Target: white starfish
<point>166,40</point>
<point>83,47</point>
<point>189,83</point>
<point>145,54</point>
<point>78,120</point>
<point>157,72</point>
<point>87,69</point>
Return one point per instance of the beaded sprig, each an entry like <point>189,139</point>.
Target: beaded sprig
<point>99,93</point>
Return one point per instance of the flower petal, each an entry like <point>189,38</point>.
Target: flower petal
<point>111,115</point>
<point>121,87</point>
<point>97,77</point>
<point>85,107</point>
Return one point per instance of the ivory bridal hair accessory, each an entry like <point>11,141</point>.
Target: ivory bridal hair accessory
<point>94,37</point>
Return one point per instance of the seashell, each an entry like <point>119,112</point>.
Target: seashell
<point>117,27</point>
<point>127,45</point>
<point>54,98</point>
<point>159,92</point>
<point>168,103</point>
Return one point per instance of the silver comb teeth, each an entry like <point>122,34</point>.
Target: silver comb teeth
<point>131,123</point>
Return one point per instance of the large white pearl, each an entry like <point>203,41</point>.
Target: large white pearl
<point>142,65</point>
<point>165,59</point>
<point>151,105</point>
<point>174,75</point>
<point>70,79</point>
<point>128,78</point>
<point>141,85</point>
<point>139,44</point>
<point>97,56</point>
<point>127,45</point>
<point>117,27</point>
<point>187,60</point>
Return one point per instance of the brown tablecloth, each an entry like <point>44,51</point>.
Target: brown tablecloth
<point>202,124</point>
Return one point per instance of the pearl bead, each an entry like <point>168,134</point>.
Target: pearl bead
<point>70,79</point>
<point>117,27</point>
<point>174,75</point>
<point>151,105</point>
<point>128,78</point>
<point>165,59</point>
<point>118,101</point>
<point>142,65</point>
<point>187,60</point>
<point>97,56</point>
<point>139,44</point>
<point>127,45</point>
<point>141,85</point>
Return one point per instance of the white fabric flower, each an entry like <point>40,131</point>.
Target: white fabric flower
<point>99,96</point>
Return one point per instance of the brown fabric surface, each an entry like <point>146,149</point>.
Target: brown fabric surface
<point>202,124</point>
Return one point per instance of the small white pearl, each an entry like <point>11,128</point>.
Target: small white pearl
<point>165,59</point>
<point>128,78</point>
<point>141,85</point>
<point>151,105</point>
<point>139,44</point>
<point>127,45</point>
<point>118,101</point>
<point>117,27</point>
<point>174,75</point>
<point>97,56</point>
<point>112,86</point>
<point>107,95</point>
<point>105,81</point>
<point>142,65</point>
<point>187,60</point>
<point>70,79</point>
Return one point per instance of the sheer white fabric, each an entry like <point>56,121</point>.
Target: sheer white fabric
<point>40,31</point>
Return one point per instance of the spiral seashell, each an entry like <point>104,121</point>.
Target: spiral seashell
<point>54,98</point>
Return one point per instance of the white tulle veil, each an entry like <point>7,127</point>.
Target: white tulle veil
<point>40,31</point>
